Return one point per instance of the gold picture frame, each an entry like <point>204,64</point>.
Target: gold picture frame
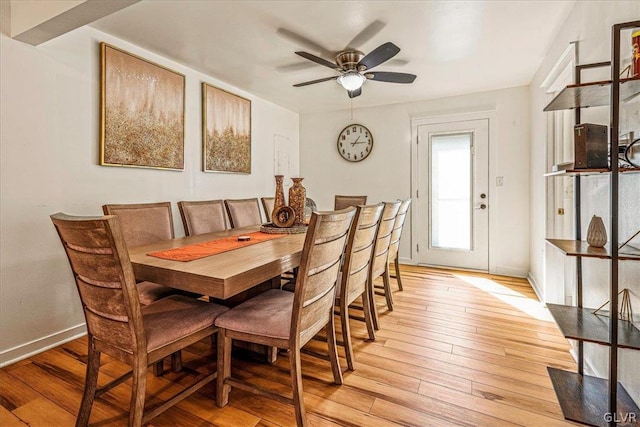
<point>226,131</point>
<point>142,108</point>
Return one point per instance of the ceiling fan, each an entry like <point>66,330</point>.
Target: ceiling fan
<point>354,68</point>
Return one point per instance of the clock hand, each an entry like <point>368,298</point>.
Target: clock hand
<point>356,141</point>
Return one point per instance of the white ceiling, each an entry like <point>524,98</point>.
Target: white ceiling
<point>454,47</point>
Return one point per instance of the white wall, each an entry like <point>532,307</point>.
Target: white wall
<point>49,111</point>
<point>386,174</point>
<point>590,23</point>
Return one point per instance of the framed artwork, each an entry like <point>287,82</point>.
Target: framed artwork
<point>141,112</point>
<point>226,131</point>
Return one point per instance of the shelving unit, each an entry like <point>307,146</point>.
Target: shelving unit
<point>583,398</point>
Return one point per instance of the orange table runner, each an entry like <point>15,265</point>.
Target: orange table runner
<point>213,247</point>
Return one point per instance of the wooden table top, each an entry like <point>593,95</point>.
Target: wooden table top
<point>222,275</point>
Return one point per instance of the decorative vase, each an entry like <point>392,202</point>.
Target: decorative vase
<point>597,233</point>
<point>297,200</point>
<point>279,198</point>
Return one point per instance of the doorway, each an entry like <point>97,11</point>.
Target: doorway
<point>452,220</point>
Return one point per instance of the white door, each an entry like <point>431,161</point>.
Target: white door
<point>453,198</point>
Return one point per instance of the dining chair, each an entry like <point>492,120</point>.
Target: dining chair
<point>243,212</point>
<point>380,256</point>
<point>205,216</point>
<point>342,202</point>
<point>394,244</point>
<point>117,324</point>
<point>268,203</point>
<point>141,224</point>
<point>354,276</point>
<point>289,320</point>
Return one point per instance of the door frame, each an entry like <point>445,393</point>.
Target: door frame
<point>493,196</point>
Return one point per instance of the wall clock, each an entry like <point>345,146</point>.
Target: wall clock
<point>355,143</point>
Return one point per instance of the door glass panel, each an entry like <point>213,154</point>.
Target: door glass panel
<point>450,183</point>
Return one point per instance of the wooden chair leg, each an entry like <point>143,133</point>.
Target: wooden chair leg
<point>158,368</point>
<point>138,388</point>
<point>370,293</point>
<point>330,331</point>
<point>296,383</point>
<point>386,280</point>
<point>90,386</point>
<point>398,278</point>
<point>346,335</point>
<point>223,368</point>
<point>176,361</point>
<point>368,317</point>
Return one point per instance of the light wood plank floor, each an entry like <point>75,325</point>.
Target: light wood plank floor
<point>459,349</point>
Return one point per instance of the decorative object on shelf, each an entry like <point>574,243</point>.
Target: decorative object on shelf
<point>279,197</point>
<point>141,112</point>
<point>625,312</point>
<point>596,233</point>
<point>283,217</point>
<point>591,149</point>
<point>298,200</point>
<point>226,131</point>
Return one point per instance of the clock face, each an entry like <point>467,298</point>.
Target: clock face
<point>355,143</point>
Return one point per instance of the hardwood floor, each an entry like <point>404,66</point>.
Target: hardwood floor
<point>458,349</point>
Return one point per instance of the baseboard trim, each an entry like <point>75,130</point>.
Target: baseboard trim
<point>535,287</point>
<point>23,351</point>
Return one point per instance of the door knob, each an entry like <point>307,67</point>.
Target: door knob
<point>481,206</point>
<point>483,196</point>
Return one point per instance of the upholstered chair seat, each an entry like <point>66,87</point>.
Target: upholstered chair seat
<point>174,317</point>
<point>268,314</point>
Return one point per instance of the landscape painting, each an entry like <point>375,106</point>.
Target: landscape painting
<point>226,131</point>
<point>142,112</point>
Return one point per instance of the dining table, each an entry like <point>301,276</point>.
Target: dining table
<point>222,275</point>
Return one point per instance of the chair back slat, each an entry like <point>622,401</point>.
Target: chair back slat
<point>342,202</point>
<point>243,212</point>
<point>268,204</point>
<point>104,277</point>
<point>143,223</point>
<point>318,272</point>
<point>200,217</point>
<point>383,239</point>
<point>396,234</point>
<point>358,254</point>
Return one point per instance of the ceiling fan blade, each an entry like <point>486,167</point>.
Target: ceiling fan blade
<point>365,35</point>
<point>378,55</point>
<point>315,81</point>
<point>354,93</point>
<point>391,77</point>
<point>305,42</point>
<point>317,60</point>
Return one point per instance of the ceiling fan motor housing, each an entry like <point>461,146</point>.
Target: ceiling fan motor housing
<point>348,59</point>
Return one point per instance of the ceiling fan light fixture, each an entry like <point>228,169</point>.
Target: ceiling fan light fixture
<point>351,80</point>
